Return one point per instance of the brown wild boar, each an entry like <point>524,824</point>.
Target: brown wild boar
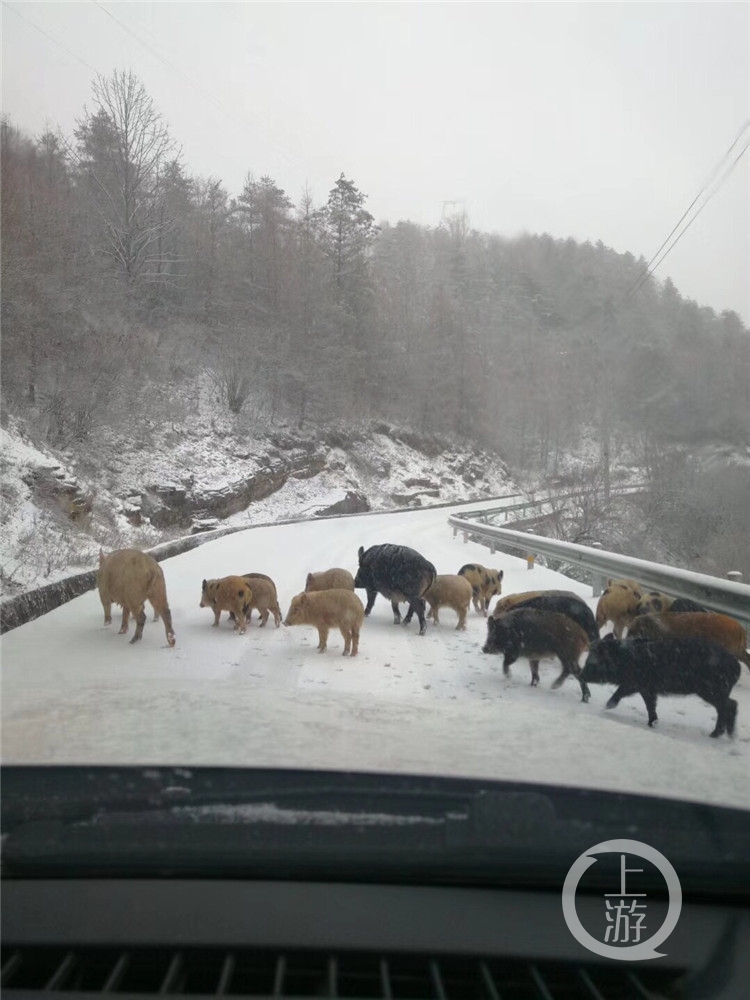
<point>449,591</point>
<point>230,593</point>
<point>538,635</point>
<point>721,629</point>
<point>129,578</point>
<point>617,604</point>
<point>485,584</point>
<point>327,609</point>
<point>330,579</point>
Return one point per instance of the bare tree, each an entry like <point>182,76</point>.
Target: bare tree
<point>124,147</point>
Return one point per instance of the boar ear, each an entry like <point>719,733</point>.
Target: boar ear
<point>203,585</point>
<point>500,575</point>
<point>361,553</point>
<point>609,637</point>
<point>308,581</point>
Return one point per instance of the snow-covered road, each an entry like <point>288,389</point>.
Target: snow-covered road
<point>76,692</point>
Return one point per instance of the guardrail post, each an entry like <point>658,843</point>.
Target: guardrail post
<point>530,556</point>
<point>598,582</point>
<point>455,532</point>
<point>466,537</point>
<point>493,548</point>
<point>735,575</point>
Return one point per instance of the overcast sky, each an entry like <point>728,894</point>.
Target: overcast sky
<point>596,121</point>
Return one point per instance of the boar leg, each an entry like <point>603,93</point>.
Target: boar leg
<point>649,698</point>
<point>277,616</point>
<point>730,716</point>
<point>371,595</point>
<point>435,610</point>
<point>726,713</point>
<point>241,622</point>
<point>461,619</point>
<point>355,640</point>
<point>622,692</point>
<point>534,664</point>
<point>323,638</point>
<point>347,639</point>
<point>125,620</point>
<point>217,616</point>
<point>419,606</point>
<point>107,605</point>
<point>263,617</point>
<point>507,661</point>
<point>140,621</point>
<point>166,615</point>
<point>396,612</point>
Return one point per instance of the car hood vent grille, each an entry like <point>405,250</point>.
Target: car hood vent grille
<point>253,973</point>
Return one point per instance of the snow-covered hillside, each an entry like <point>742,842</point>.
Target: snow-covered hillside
<point>207,464</point>
<point>75,691</point>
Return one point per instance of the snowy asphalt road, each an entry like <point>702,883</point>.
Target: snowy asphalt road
<point>76,692</point>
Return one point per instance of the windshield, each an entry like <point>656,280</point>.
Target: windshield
<point>325,328</point>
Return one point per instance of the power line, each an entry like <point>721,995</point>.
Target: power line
<point>715,191</point>
<point>51,38</point>
<point>650,267</point>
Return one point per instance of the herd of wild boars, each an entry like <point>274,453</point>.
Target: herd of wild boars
<point>659,644</point>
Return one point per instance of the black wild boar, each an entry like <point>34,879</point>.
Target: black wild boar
<point>682,604</point>
<point>538,635</point>
<point>399,574</point>
<point>564,602</point>
<point>651,667</point>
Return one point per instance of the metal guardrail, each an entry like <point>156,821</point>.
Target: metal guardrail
<point>725,596</point>
<point>488,512</point>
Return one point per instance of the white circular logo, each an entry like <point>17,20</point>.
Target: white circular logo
<point>623,918</point>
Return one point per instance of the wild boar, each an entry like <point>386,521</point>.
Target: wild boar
<point>666,666</point>
<point>682,604</point>
<point>129,578</point>
<point>721,629</point>
<point>564,602</point>
<point>627,585</point>
<point>230,593</point>
<point>327,609</point>
<point>485,584</point>
<point>399,574</point>
<point>538,635</point>
<point>263,598</point>
<point>449,591</point>
<point>330,579</point>
<point>617,604</point>
<point>653,603</point>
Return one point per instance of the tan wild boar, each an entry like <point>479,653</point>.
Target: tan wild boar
<point>485,584</point>
<point>653,603</point>
<point>627,584</point>
<point>230,593</point>
<point>327,609</point>
<point>129,578</point>
<point>449,591</point>
<point>618,604</point>
<point>329,579</point>
<point>264,598</point>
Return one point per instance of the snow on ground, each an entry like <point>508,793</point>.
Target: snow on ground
<point>76,692</point>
